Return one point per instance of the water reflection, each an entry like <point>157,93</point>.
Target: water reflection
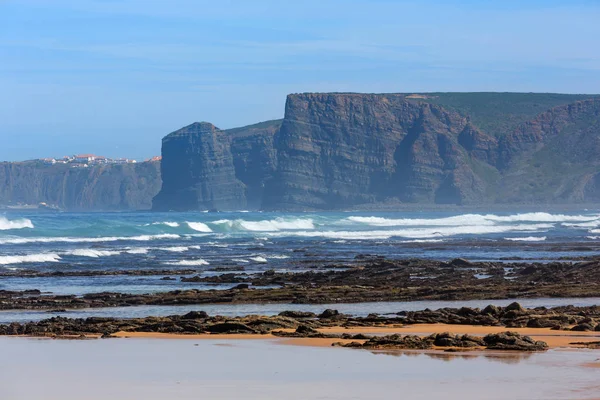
<point>447,356</point>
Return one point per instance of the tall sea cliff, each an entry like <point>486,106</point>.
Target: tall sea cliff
<point>348,150</point>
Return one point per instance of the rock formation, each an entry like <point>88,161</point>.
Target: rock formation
<point>207,168</point>
<point>198,163</point>
<point>342,150</point>
<point>346,150</point>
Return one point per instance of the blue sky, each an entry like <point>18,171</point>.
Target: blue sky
<point>112,77</point>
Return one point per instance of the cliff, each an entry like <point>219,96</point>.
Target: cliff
<point>343,150</point>
<point>104,187</point>
<point>207,168</point>
<point>346,150</point>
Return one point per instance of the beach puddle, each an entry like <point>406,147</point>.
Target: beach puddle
<point>256,369</point>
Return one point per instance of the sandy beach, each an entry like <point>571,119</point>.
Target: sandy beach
<point>554,338</point>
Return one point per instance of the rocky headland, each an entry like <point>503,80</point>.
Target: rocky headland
<point>347,150</point>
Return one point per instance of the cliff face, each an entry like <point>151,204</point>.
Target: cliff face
<point>106,187</point>
<point>254,159</point>
<point>198,164</point>
<point>554,157</point>
<point>342,150</point>
<point>207,168</point>
<point>339,150</point>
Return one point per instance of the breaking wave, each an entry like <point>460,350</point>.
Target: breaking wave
<point>189,263</point>
<point>140,238</point>
<point>278,257</point>
<point>273,225</point>
<point>21,223</point>
<point>258,259</point>
<point>174,249</point>
<point>29,258</point>
<point>199,227</point>
<point>167,223</point>
<point>137,250</point>
<point>92,253</point>
<point>478,220</point>
<point>419,233</point>
<point>527,239</point>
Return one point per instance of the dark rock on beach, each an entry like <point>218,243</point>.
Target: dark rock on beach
<point>367,281</point>
<point>513,341</point>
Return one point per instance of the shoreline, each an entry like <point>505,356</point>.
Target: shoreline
<point>371,279</point>
<point>554,339</point>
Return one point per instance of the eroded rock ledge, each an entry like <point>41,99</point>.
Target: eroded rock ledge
<point>308,325</point>
<point>372,280</point>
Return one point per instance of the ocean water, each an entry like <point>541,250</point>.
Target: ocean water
<point>255,241</point>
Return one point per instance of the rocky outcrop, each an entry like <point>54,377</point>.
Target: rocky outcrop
<point>372,281</point>
<point>104,187</point>
<point>198,168</point>
<point>208,168</point>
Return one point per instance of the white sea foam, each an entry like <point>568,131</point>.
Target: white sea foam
<point>199,226</point>
<point>21,223</point>
<point>542,217</point>
<point>137,250</point>
<point>473,220</point>
<point>29,258</point>
<point>140,238</point>
<point>167,223</point>
<point>189,263</point>
<point>258,259</point>
<point>272,225</point>
<point>277,257</point>
<point>92,253</point>
<point>240,260</point>
<point>593,237</point>
<point>418,233</point>
<point>527,239</point>
<point>590,224</point>
<point>459,220</point>
<point>424,241</point>
<point>174,249</point>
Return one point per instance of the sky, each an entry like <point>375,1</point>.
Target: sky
<point>112,77</point>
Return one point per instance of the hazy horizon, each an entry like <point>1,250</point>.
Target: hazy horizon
<point>114,77</point>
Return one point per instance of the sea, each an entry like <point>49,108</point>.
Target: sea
<point>210,243</point>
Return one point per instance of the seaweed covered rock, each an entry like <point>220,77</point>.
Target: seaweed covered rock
<point>513,341</point>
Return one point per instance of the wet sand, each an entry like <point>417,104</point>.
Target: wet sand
<point>218,369</point>
<point>554,338</point>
